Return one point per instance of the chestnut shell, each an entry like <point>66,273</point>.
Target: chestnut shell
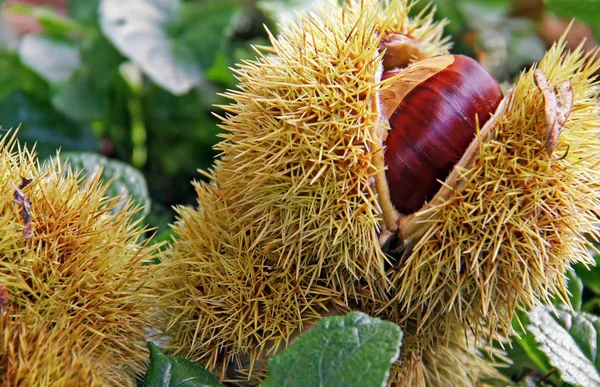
<point>432,126</point>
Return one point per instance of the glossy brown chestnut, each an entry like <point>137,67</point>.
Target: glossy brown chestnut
<point>432,109</point>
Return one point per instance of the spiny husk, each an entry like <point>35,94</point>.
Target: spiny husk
<point>297,156</point>
<point>228,301</point>
<point>456,365</point>
<point>290,221</point>
<point>34,352</point>
<point>79,279</point>
<point>446,356</point>
<point>517,216</point>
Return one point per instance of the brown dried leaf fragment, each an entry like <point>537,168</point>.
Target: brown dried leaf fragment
<point>558,106</point>
<point>22,200</point>
<point>3,298</point>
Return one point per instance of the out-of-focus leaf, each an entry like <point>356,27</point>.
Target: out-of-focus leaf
<point>576,290</point>
<point>587,11</point>
<point>570,340</point>
<point>53,60</point>
<point>186,146</point>
<point>132,75</point>
<point>503,45</point>
<point>14,76</point>
<point>353,350</point>
<point>138,28</point>
<point>101,60</point>
<point>282,10</point>
<point>8,39</point>
<point>43,125</point>
<point>209,37</point>
<point>172,371</point>
<point>590,275</point>
<point>591,306</point>
<point>127,182</point>
<point>78,99</point>
<point>51,21</point>
<point>220,72</point>
<point>84,11</point>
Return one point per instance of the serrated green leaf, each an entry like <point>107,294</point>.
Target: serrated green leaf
<point>526,341</point>
<point>138,28</point>
<point>570,340</point>
<point>53,60</point>
<point>172,371</point>
<point>352,350</point>
<point>126,180</point>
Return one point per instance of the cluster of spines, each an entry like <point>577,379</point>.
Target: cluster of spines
<point>78,278</point>
<point>37,352</point>
<point>287,229</point>
<point>505,239</point>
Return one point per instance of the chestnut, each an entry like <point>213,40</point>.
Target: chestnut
<point>434,107</point>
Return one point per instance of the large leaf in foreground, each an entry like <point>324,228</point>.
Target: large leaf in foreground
<point>570,341</point>
<point>354,350</point>
<point>172,371</point>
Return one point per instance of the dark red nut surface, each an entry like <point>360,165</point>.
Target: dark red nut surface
<point>433,108</point>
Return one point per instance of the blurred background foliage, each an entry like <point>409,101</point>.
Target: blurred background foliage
<point>137,81</point>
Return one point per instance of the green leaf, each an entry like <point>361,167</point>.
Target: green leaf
<point>78,99</point>
<point>525,342</point>
<point>8,38</point>
<point>171,371</point>
<point>590,275</point>
<point>570,340</point>
<point>220,72</point>
<point>576,289</point>
<point>210,36</point>
<point>126,180</point>
<point>591,306</point>
<point>53,60</point>
<point>587,11</point>
<point>43,125</point>
<point>138,28</point>
<point>14,76</point>
<point>280,11</point>
<point>101,61</point>
<point>84,11</point>
<point>51,21</point>
<point>353,350</point>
